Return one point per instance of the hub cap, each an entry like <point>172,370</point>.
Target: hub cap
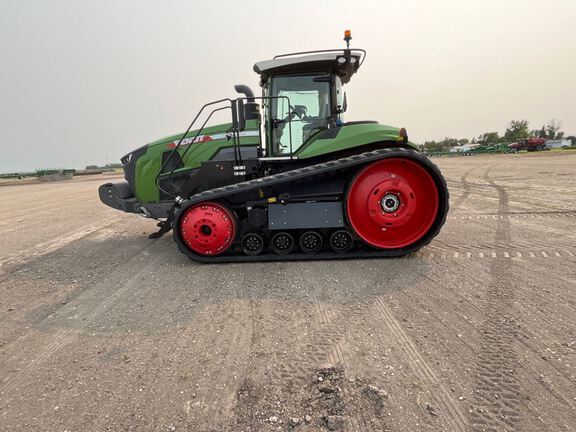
<point>252,244</point>
<point>208,228</point>
<point>282,243</point>
<point>340,241</point>
<point>392,203</point>
<point>311,242</point>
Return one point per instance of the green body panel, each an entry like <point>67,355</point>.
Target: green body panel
<point>349,137</point>
<point>150,163</point>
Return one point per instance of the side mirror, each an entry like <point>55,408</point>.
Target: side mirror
<point>240,113</point>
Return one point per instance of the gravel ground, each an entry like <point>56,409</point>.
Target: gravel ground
<point>102,329</point>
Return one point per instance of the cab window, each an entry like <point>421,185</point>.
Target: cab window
<point>300,108</point>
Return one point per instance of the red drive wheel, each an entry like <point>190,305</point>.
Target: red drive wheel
<point>208,228</point>
<point>392,203</point>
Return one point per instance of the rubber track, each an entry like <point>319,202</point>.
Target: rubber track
<point>301,173</point>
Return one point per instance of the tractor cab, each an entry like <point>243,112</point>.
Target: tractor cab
<point>302,96</point>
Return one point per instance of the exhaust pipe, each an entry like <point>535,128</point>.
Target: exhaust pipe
<point>246,91</point>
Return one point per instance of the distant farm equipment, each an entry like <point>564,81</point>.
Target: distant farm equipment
<point>43,174</point>
<point>472,150</point>
<point>530,144</point>
<point>47,175</point>
<point>50,171</point>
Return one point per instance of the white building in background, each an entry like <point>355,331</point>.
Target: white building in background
<point>558,143</point>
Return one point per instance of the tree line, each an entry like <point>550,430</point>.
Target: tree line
<point>517,130</point>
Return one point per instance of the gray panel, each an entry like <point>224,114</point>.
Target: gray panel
<point>227,153</point>
<point>305,215</point>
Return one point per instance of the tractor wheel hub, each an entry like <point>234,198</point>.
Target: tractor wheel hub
<point>390,203</point>
<point>208,228</point>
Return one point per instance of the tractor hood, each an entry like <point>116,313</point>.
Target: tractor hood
<point>350,135</point>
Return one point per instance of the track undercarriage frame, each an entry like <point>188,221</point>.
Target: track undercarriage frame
<point>243,221</point>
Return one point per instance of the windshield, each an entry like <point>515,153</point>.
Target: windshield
<point>301,109</point>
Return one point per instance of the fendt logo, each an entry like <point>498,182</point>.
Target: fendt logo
<point>208,138</point>
<point>191,140</point>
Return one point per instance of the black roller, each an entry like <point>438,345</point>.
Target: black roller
<point>311,242</point>
<point>341,241</point>
<point>252,244</point>
<point>282,243</point>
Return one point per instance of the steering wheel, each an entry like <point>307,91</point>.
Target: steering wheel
<point>299,111</point>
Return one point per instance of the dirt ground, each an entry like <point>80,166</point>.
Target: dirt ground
<point>102,329</point>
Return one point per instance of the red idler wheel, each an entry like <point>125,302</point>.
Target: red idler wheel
<point>392,203</point>
<point>208,228</point>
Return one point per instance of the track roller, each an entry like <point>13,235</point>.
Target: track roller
<point>311,242</point>
<point>341,241</point>
<point>282,243</point>
<point>252,244</point>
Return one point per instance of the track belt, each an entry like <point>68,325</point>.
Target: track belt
<point>302,173</point>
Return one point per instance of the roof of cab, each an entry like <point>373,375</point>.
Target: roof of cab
<point>313,61</point>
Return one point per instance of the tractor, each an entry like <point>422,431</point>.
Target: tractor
<point>287,178</point>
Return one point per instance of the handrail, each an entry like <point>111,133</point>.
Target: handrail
<point>235,134</point>
<point>175,149</point>
<point>200,131</point>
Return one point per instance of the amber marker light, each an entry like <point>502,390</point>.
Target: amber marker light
<point>347,37</point>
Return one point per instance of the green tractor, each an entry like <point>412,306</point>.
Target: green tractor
<point>287,178</point>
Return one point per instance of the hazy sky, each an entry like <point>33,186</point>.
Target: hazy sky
<point>85,81</point>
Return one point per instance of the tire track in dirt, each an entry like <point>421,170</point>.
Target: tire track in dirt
<point>453,418</point>
<point>443,298</point>
<point>73,199</point>
<point>18,368</point>
<point>214,405</point>
<point>321,348</point>
<point>496,401</point>
<point>239,346</point>
<point>466,190</point>
<point>534,250</point>
<point>541,228</point>
<point>323,344</point>
<point>32,219</point>
<point>518,214</point>
<point>54,244</point>
<point>336,358</point>
<point>328,349</point>
<point>322,340</point>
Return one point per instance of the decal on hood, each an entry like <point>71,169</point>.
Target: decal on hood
<point>206,138</point>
